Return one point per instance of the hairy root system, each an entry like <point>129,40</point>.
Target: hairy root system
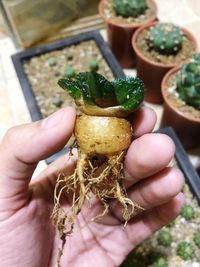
<point>103,176</point>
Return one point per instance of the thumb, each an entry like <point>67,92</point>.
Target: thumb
<point>24,146</point>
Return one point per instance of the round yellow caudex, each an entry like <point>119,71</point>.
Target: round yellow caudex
<point>102,135</point>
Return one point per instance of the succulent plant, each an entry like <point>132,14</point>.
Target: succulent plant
<point>160,262</point>
<point>129,8</point>
<point>95,94</point>
<point>94,64</point>
<point>157,258</point>
<point>52,61</point>
<point>197,239</point>
<point>165,38</point>
<point>188,212</point>
<point>185,250</point>
<point>164,238</point>
<point>69,72</point>
<point>57,101</point>
<point>188,82</point>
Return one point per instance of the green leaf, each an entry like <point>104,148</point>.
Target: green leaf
<point>71,86</point>
<point>129,92</point>
<point>83,81</point>
<point>102,90</point>
<point>96,95</point>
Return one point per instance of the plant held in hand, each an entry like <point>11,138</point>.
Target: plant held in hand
<point>103,135</point>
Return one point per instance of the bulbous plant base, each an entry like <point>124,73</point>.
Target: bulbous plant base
<point>94,175</point>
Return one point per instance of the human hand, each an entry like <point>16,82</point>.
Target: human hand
<point>27,236</point>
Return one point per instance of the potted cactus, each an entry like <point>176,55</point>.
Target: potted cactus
<point>160,47</point>
<point>181,93</point>
<point>122,19</point>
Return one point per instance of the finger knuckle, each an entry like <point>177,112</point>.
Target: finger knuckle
<point>11,134</point>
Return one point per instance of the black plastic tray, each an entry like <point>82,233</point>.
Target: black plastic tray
<point>21,57</point>
<point>191,176</point>
<point>25,55</point>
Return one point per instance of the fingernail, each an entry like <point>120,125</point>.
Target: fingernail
<point>52,120</point>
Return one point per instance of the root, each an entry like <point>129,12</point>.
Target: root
<point>103,176</point>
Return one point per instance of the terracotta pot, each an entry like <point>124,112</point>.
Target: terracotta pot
<point>187,128</point>
<point>120,35</point>
<point>152,72</point>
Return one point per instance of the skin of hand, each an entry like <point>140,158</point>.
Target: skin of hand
<point>27,236</point>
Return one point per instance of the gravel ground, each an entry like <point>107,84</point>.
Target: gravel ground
<point>44,71</point>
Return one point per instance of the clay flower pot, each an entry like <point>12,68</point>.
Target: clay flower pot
<point>152,72</point>
<point>186,127</point>
<point>120,34</point>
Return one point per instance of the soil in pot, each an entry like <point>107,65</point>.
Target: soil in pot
<point>120,29</point>
<point>166,247</point>
<point>152,64</point>
<point>45,70</point>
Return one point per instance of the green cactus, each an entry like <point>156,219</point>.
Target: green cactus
<point>187,212</point>
<point>165,38</point>
<point>164,238</point>
<point>161,262</point>
<point>188,82</point>
<point>185,250</point>
<point>69,72</point>
<point>197,239</point>
<point>52,62</point>
<point>94,64</point>
<point>129,8</point>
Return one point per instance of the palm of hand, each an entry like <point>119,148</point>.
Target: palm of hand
<point>36,242</point>
<point>27,236</point>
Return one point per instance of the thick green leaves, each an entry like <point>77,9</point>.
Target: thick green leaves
<point>93,90</point>
<point>129,92</point>
<point>71,86</point>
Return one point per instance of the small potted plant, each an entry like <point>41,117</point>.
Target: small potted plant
<point>122,19</point>
<point>160,47</point>
<point>181,93</point>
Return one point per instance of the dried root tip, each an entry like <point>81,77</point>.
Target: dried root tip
<point>129,207</point>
